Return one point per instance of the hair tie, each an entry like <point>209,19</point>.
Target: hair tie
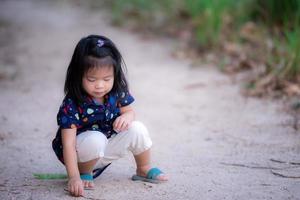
<point>100,43</point>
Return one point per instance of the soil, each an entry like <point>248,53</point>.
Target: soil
<point>211,141</point>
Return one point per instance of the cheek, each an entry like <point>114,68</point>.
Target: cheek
<point>86,85</point>
<point>112,83</point>
<point>83,84</point>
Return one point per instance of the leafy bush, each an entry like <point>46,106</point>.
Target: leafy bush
<point>213,23</point>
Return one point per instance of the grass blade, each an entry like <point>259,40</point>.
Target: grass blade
<point>50,176</point>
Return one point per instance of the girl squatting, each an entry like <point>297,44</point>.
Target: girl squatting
<point>96,121</point>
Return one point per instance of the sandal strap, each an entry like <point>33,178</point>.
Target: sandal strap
<point>97,172</point>
<point>153,173</point>
<point>86,177</point>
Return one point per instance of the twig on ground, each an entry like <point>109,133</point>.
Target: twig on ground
<point>285,162</point>
<point>282,175</point>
<point>265,184</point>
<point>91,198</point>
<point>252,167</point>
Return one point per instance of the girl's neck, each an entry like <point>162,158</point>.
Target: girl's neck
<point>98,100</point>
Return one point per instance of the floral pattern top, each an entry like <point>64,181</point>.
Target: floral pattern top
<point>89,115</point>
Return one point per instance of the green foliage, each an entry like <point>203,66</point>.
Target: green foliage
<point>284,19</point>
<point>215,21</point>
<point>276,12</point>
<point>139,10</point>
<point>291,55</point>
<point>208,17</point>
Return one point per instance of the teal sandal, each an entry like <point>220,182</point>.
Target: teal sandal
<point>90,177</point>
<point>151,176</point>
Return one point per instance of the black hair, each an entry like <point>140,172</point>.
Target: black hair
<point>94,51</point>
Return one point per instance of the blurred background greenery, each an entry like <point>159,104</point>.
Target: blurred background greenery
<point>261,37</point>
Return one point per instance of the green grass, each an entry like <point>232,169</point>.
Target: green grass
<point>215,21</point>
<point>291,69</point>
<point>139,10</point>
<point>283,18</point>
<point>276,12</point>
<point>208,16</point>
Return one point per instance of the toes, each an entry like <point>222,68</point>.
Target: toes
<point>85,184</point>
<point>91,184</point>
<point>162,177</point>
<point>88,184</point>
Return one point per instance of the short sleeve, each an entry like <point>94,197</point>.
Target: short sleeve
<point>68,116</point>
<point>124,99</point>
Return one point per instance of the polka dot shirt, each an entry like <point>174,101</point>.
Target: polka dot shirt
<point>89,115</point>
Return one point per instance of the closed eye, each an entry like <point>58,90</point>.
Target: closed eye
<point>91,79</point>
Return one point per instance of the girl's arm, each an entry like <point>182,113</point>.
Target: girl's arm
<point>123,122</point>
<point>75,185</point>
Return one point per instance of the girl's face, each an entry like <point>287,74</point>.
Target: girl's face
<point>99,81</point>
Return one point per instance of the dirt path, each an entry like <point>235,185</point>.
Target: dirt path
<point>213,143</point>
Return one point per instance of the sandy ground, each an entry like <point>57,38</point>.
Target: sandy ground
<point>213,142</point>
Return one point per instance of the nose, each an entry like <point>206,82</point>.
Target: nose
<point>99,84</point>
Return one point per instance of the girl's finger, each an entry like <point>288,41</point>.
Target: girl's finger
<point>76,191</point>
<point>72,190</point>
<point>116,123</point>
<point>124,126</point>
<point>127,126</point>
<point>119,124</point>
<point>80,191</point>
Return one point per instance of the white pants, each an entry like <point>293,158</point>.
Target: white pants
<point>91,145</point>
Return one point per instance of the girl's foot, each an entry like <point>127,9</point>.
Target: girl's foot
<point>87,180</point>
<point>88,184</point>
<point>149,174</point>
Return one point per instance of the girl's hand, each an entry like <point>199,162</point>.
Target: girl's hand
<point>122,122</point>
<point>75,186</point>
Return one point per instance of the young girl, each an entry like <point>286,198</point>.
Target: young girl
<point>96,121</point>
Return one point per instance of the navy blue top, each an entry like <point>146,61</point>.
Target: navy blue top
<point>89,115</point>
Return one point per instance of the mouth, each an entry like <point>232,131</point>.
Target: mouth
<point>99,93</point>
